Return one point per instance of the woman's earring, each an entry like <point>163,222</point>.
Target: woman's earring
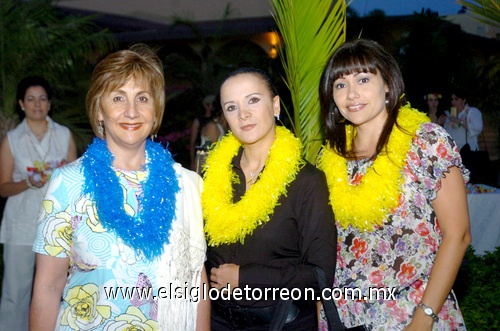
<point>100,129</point>
<point>386,102</point>
<point>153,137</point>
<point>277,117</point>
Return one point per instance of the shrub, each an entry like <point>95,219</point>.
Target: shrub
<point>480,303</point>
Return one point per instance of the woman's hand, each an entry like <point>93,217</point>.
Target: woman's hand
<point>420,322</point>
<point>442,119</point>
<point>35,183</point>
<point>226,276</point>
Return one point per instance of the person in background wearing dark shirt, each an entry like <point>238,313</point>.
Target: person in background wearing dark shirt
<point>267,218</point>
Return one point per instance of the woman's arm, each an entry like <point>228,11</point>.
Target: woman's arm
<point>452,213</point>
<point>50,278</point>
<point>211,131</point>
<point>203,314</point>
<point>7,186</point>
<point>474,122</point>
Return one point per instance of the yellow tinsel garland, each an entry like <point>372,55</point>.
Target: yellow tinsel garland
<point>227,222</point>
<point>367,204</point>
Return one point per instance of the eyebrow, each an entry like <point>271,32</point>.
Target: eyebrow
<point>246,97</point>
<point>123,91</point>
<point>34,96</point>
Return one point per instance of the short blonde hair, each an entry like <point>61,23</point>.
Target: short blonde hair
<point>140,63</point>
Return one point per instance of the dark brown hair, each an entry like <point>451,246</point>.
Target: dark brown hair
<point>358,56</point>
<point>256,72</point>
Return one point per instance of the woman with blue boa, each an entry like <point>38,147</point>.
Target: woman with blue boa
<point>120,230</point>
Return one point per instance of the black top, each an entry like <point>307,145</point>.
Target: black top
<point>283,252</point>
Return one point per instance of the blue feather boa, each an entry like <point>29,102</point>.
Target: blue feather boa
<point>148,231</point>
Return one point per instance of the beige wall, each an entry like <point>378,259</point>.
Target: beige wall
<point>162,11</point>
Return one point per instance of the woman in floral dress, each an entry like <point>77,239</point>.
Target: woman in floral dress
<point>120,237</point>
<point>397,187</point>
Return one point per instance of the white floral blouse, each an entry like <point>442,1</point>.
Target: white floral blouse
<point>400,254</point>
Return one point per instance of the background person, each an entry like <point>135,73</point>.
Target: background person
<point>197,124</point>
<point>211,132</point>
<point>392,175</point>
<point>434,112</point>
<point>467,124</point>
<point>122,216</point>
<point>267,218</point>
<point>28,156</point>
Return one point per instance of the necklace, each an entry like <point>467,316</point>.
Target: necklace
<point>148,230</point>
<point>227,222</point>
<point>367,204</point>
<point>253,177</point>
<point>41,132</point>
<point>37,145</point>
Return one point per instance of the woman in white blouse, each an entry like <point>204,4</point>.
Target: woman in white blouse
<point>28,155</point>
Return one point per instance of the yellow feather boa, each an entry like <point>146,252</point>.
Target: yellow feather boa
<point>227,222</point>
<point>367,204</point>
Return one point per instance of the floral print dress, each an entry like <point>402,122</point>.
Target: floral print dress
<point>101,266</point>
<point>399,255</point>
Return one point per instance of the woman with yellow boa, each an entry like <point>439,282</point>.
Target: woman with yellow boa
<point>397,188</point>
<point>267,220</point>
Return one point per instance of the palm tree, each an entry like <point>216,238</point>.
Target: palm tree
<point>311,31</point>
<point>485,11</point>
<point>36,39</point>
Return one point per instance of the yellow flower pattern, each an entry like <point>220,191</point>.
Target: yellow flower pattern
<point>58,233</point>
<point>133,319</point>
<point>83,312</point>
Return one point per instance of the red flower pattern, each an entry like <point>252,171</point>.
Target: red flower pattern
<point>422,229</point>
<point>359,247</point>
<point>407,272</point>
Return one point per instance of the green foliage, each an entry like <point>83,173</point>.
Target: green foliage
<point>485,11</point>
<point>311,31</point>
<point>200,68</point>
<point>35,39</point>
<point>435,58</point>
<point>480,304</point>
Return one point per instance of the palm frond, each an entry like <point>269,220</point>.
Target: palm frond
<point>311,31</point>
<point>484,11</point>
<point>36,40</point>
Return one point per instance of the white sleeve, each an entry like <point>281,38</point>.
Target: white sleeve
<point>474,121</point>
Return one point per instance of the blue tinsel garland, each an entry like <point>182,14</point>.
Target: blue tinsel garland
<point>149,230</point>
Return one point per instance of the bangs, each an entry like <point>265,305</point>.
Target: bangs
<point>120,77</point>
<point>352,61</point>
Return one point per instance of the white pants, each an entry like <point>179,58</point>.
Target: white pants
<point>19,267</point>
